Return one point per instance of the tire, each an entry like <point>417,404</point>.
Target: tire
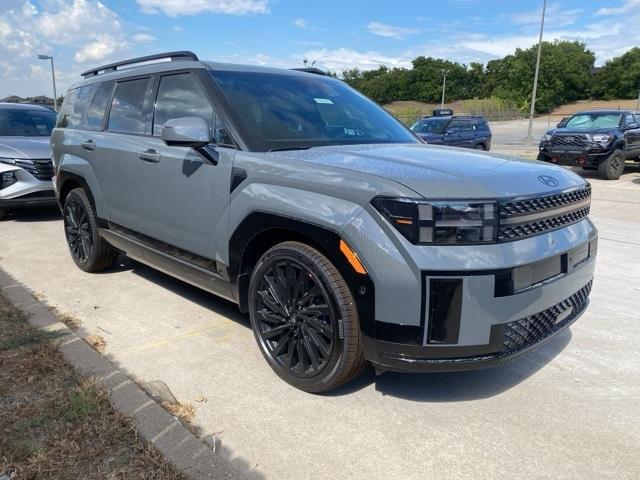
<point>590,168</point>
<point>612,167</point>
<point>90,252</point>
<point>479,147</point>
<point>542,157</point>
<point>304,318</point>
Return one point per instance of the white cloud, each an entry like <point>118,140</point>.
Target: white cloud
<point>345,58</point>
<point>102,47</point>
<point>627,6</point>
<point>391,31</point>
<point>555,16</point>
<point>177,28</point>
<point>175,8</point>
<point>301,23</point>
<point>143,38</point>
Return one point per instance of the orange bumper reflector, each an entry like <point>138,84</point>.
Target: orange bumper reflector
<point>352,258</point>
<point>404,221</point>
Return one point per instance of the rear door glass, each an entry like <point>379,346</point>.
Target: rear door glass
<point>128,114</point>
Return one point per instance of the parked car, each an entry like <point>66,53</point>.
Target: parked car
<point>343,236</point>
<point>457,131</point>
<point>594,140</point>
<point>25,156</point>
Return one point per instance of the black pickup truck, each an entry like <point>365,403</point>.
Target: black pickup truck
<point>594,140</point>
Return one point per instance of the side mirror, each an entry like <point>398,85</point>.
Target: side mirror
<point>186,132</point>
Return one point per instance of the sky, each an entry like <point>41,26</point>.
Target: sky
<point>336,34</point>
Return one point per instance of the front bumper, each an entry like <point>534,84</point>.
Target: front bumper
<point>590,156</point>
<point>27,191</point>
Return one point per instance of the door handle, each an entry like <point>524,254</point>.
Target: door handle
<point>88,144</point>
<point>150,156</point>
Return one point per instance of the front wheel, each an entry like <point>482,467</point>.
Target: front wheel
<point>542,157</point>
<point>480,147</point>
<point>89,251</point>
<point>304,318</point>
<point>612,167</point>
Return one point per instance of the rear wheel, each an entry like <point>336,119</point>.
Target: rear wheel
<point>480,147</point>
<point>89,251</point>
<point>612,167</point>
<point>304,318</point>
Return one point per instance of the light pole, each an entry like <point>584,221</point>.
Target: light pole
<point>444,84</point>
<point>53,77</point>
<point>529,136</point>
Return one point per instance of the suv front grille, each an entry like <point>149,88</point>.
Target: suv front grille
<point>531,216</point>
<point>520,334</point>
<point>41,168</point>
<point>570,141</point>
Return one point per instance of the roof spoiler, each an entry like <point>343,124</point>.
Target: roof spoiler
<point>112,67</point>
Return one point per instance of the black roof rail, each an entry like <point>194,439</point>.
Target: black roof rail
<point>315,70</point>
<point>112,67</point>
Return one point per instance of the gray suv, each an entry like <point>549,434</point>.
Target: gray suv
<point>344,236</point>
<point>25,156</point>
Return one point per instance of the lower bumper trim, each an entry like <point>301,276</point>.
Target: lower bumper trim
<point>509,341</point>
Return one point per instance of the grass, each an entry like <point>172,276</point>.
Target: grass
<point>55,424</point>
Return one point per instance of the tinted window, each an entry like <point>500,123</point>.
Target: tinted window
<point>66,109</point>
<point>95,113</point>
<point>594,120</point>
<point>435,125</point>
<point>78,114</point>
<point>467,125</point>
<point>127,109</point>
<point>180,96</point>
<point>300,111</point>
<point>455,124</point>
<point>26,123</point>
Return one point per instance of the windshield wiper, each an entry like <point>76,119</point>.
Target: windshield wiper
<point>284,149</point>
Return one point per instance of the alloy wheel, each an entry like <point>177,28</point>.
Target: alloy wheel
<point>78,231</point>
<point>295,320</point>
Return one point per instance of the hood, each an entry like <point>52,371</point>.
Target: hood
<point>580,131</point>
<point>443,172</point>
<point>25,147</point>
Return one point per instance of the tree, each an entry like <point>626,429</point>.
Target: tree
<point>619,77</point>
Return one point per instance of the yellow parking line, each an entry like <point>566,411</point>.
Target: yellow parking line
<point>224,328</point>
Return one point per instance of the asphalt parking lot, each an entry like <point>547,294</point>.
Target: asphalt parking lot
<point>567,410</point>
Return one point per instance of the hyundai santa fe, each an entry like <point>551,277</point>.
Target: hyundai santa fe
<point>345,237</point>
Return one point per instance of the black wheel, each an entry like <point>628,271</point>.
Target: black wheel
<point>590,168</point>
<point>89,251</point>
<point>612,167</point>
<point>304,318</point>
<point>480,147</point>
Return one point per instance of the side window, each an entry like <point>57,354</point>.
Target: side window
<point>127,108</point>
<point>180,96</point>
<point>467,126</point>
<point>455,124</point>
<point>95,114</point>
<point>81,106</point>
<point>66,109</point>
<point>221,134</point>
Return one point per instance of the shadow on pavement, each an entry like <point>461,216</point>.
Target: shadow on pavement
<point>40,214</point>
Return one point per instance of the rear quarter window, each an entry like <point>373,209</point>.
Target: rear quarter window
<point>81,103</point>
<point>66,109</point>
<point>98,106</point>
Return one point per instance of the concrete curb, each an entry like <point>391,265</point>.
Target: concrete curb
<point>154,424</point>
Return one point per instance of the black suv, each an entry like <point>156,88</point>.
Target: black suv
<point>454,130</point>
<point>594,140</point>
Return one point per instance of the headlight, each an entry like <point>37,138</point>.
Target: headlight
<point>545,138</point>
<point>8,161</point>
<point>7,179</point>
<point>601,137</point>
<point>441,222</point>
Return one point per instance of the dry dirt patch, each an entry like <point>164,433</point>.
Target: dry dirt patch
<point>55,424</point>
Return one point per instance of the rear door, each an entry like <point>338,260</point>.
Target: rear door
<point>467,134</point>
<point>453,134</point>
<point>632,136</point>
<point>188,196</point>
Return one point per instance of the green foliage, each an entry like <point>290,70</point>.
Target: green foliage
<point>565,76</point>
<point>619,77</point>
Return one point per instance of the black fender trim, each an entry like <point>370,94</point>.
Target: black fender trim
<point>61,178</point>
<point>248,235</point>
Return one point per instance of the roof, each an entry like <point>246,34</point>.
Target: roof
<point>605,111</point>
<point>457,117</point>
<point>23,106</point>
<point>178,61</point>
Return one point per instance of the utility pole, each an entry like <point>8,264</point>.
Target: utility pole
<point>638,102</point>
<point>53,77</point>
<point>529,136</point>
<point>444,84</point>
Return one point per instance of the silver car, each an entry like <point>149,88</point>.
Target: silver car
<point>344,236</point>
<point>25,156</point>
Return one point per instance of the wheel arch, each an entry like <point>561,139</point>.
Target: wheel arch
<point>67,181</point>
<point>260,231</point>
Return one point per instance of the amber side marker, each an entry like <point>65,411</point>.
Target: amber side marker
<point>352,258</point>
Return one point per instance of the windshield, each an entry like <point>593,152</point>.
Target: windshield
<point>26,123</point>
<point>594,120</point>
<point>433,125</point>
<point>290,112</point>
